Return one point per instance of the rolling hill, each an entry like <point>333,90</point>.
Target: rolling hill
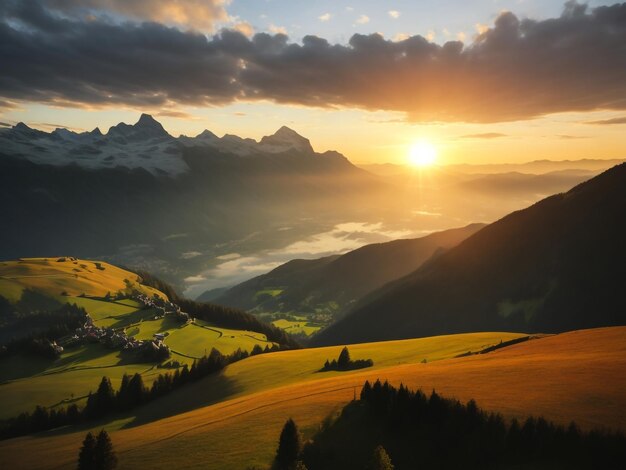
<point>577,375</point>
<point>330,285</point>
<point>558,265</point>
<point>122,311</point>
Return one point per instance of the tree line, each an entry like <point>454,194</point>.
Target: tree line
<point>415,430</point>
<point>41,330</point>
<point>132,393</point>
<point>345,362</point>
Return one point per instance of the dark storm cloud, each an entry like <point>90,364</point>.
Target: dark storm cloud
<point>518,69</point>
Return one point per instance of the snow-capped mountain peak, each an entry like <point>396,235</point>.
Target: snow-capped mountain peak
<point>285,139</point>
<point>145,144</point>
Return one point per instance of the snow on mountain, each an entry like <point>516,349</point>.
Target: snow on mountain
<point>285,139</point>
<point>145,144</point>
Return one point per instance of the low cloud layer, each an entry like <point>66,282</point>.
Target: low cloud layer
<point>608,122</point>
<point>517,69</point>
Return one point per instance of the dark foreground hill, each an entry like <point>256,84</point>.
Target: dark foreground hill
<point>558,265</point>
<point>307,285</point>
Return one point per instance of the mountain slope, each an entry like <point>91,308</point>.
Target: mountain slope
<point>305,285</point>
<point>555,266</point>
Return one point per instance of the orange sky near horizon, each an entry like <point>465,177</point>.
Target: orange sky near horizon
<point>371,137</point>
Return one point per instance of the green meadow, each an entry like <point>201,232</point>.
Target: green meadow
<point>27,381</point>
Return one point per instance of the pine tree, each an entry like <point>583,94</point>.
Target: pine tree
<point>289,446</point>
<point>381,460</point>
<point>105,458</point>
<point>136,390</point>
<point>122,394</point>
<point>344,358</point>
<point>86,456</point>
<point>366,391</point>
<point>105,396</point>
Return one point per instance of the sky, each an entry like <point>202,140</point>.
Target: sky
<point>482,81</point>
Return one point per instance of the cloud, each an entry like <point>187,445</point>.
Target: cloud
<point>517,69</point>
<point>277,29</point>
<point>324,17</point>
<point>176,114</point>
<point>244,28</point>
<point>229,256</point>
<point>5,105</point>
<point>190,254</point>
<point>395,14</point>
<point>481,28</point>
<point>571,137</point>
<point>484,135</point>
<point>201,14</point>
<point>607,122</point>
<point>363,19</point>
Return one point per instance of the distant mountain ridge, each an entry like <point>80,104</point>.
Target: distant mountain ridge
<point>307,286</point>
<point>145,144</point>
<point>139,197</point>
<point>558,265</point>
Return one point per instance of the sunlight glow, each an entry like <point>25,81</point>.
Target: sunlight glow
<point>422,154</point>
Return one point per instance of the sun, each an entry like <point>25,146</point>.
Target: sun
<point>422,154</point>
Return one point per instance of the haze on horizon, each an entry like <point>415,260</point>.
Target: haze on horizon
<point>496,82</point>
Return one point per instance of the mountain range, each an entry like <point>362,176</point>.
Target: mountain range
<point>145,144</point>
<point>555,266</point>
<point>138,196</point>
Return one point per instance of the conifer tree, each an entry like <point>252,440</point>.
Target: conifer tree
<point>344,358</point>
<point>105,396</point>
<point>105,458</point>
<point>86,456</point>
<point>289,446</point>
<point>366,391</point>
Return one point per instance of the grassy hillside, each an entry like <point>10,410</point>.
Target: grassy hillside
<point>71,276</point>
<point>578,375</point>
<point>259,380</point>
<point>555,266</point>
<point>29,380</point>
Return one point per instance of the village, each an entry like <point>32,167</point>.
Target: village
<point>116,338</point>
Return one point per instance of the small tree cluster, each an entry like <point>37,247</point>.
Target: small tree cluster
<point>344,362</point>
<point>97,453</point>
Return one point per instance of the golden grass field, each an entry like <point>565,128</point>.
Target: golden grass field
<point>579,375</point>
<point>73,276</point>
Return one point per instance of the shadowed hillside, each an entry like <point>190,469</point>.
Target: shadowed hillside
<point>305,285</point>
<point>556,266</point>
